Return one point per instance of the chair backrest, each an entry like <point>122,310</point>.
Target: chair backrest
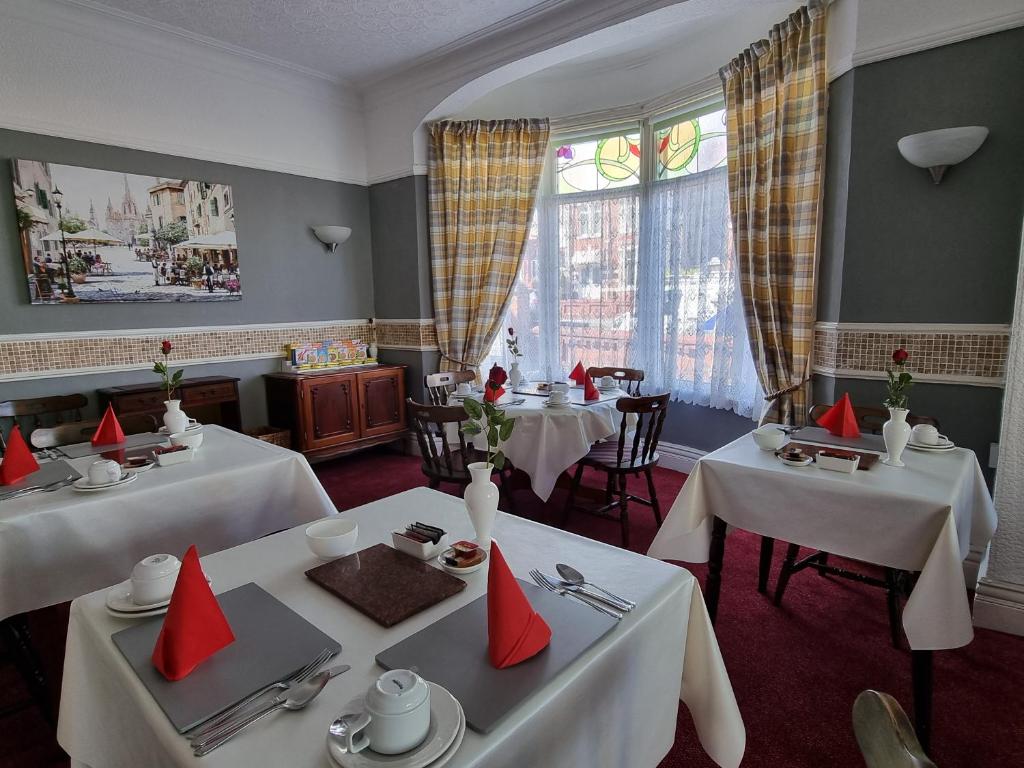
<point>80,431</point>
<point>32,413</point>
<point>650,416</point>
<point>870,418</point>
<point>440,385</point>
<point>429,422</point>
<point>884,733</point>
<point>629,378</point>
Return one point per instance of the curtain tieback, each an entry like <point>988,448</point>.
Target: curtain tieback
<point>779,393</point>
<point>455,360</point>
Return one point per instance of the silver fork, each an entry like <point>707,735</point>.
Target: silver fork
<point>542,581</point>
<point>54,486</point>
<point>202,730</point>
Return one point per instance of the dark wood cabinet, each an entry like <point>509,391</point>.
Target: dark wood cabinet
<point>210,399</point>
<point>338,412</point>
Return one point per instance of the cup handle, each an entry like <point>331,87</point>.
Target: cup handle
<point>192,421</point>
<point>354,744</point>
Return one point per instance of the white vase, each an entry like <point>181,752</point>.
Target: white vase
<point>896,433</point>
<point>481,501</point>
<point>175,419</point>
<point>372,350</point>
<point>515,375</point>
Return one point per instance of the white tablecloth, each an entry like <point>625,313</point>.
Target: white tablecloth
<point>57,546</point>
<point>614,707</point>
<point>547,441</point>
<point>922,517</point>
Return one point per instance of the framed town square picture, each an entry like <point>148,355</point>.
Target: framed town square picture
<point>90,235</point>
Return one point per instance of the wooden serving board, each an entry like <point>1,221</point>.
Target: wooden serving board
<point>387,585</point>
<point>867,460</point>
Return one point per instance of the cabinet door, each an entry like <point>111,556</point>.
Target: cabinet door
<point>329,411</point>
<point>382,401</point>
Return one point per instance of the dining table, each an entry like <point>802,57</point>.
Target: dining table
<point>614,705</point>
<point>55,546</point>
<point>548,441</point>
<point>921,518</point>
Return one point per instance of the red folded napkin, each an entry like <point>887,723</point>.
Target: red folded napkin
<point>18,460</point>
<point>109,431</point>
<point>589,390</point>
<point>491,395</point>
<point>194,628</point>
<point>515,631</point>
<point>578,373</point>
<point>840,419</point>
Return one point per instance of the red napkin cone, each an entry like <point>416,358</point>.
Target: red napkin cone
<point>578,374</point>
<point>194,628</point>
<point>18,460</point>
<point>589,390</point>
<point>515,632</point>
<point>109,431</point>
<point>491,395</point>
<point>840,419</point>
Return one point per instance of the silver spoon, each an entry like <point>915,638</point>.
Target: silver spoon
<point>54,486</point>
<point>294,698</point>
<point>571,576</point>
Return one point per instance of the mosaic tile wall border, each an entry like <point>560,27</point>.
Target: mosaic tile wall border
<point>940,353</point>
<point>40,355</point>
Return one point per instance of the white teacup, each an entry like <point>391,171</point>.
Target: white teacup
<point>608,382</point>
<point>464,388</point>
<point>397,715</point>
<point>560,386</point>
<point>104,471</point>
<point>927,434</point>
<point>558,398</point>
<point>153,579</point>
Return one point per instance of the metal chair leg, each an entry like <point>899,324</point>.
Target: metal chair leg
<point>892,598</point>
<point>787,570</point>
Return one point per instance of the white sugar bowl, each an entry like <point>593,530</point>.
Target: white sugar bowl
<point>397,714</point>
<point>769,437</point>
<point>153,579</point>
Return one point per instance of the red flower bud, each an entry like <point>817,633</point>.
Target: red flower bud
<point>166,347</point>
<point>511,331</point>
<point>900,356</point>
<point>497,375</point>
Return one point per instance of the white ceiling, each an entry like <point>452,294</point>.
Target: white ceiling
<point>357,41</point>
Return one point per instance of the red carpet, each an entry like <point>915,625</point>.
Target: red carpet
<point>797,669</point>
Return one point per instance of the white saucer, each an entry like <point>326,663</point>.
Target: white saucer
<point>82,484</point>
<point>192,428</point>
<point>137,614</point>
<point>608,389</point>
<point>805,462</point>
<point>946,446</point>
<point>119,601</point>
<point>447,729</point>
<point>461,571</point>
<point>558,406</point>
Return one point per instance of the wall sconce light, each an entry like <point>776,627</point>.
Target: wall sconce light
<point>332,236</point>
<point>937,150</point>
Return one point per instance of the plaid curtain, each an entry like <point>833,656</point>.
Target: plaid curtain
<point>483,178</point>
<point>776,96</point>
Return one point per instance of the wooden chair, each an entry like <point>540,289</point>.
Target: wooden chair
<point>884,733</point>
<point>635,451</point>
<point>78,432</point>
<point>442,463</point>
<point>629,378</point>
<point>37,411</point>
<point>895,582</point>
<point>440,385</point>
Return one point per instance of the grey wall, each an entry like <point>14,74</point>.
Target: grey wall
<point>401,248</point>
<point>287,275</point>
<point>835,198</point>
<point>701,427</point>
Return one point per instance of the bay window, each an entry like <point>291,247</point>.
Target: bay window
<point>630,262</point>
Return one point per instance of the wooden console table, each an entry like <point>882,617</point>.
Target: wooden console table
<point>210,399</point>
<point>331,413</point>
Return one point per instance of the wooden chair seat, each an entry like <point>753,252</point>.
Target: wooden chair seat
<point>607,455</point>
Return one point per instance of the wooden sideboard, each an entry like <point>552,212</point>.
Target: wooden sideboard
<point>210,399</point>
<point>331,413</point>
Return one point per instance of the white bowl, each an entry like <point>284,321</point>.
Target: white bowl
<point>769,437</point>
<point>191,439</point>
<point>332,538</point>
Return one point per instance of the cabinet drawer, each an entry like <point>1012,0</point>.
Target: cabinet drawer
<point>140,403</point>
<point>208,393</point>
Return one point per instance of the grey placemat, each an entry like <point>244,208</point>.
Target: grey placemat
<point>822,436</point>
<point>78,450</point>
<point>452,652</point>
<point>271,642</point>
<point>48,472</point>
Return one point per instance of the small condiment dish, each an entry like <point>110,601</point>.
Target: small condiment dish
<point>332,537</point>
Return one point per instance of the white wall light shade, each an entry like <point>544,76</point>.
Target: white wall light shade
<point>332,236</point>
<point>937,150</point>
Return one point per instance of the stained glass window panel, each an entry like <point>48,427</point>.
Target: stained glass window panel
<point>595,164</point>
<point>691,146</point>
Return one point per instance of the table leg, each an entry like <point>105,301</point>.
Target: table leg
<point>921,673</point>
<point>716,554</point>
<point>765,566</point>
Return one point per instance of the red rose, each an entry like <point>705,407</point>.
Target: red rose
<point>166,347</point>
<point>900,356</point>
<point>497,376</point>
<point>511,331</point>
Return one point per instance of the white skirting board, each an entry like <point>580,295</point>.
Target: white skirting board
<point>999,605</point>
